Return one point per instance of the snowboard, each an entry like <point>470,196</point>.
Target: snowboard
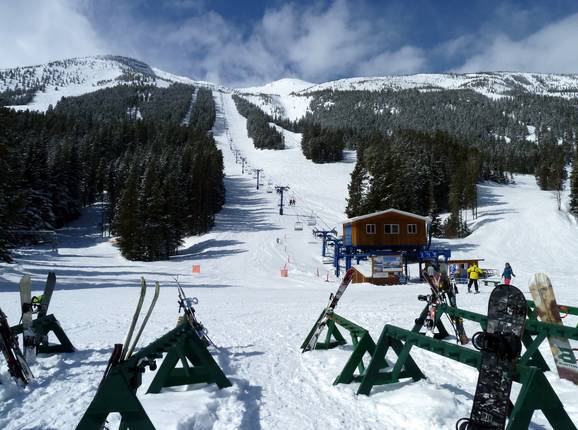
<point>42,302</point>
<point>17,365</point>
<point>27,310</point>
<point>500,345</point>
<point>564,357</point>
<point>439,293</point>
<point>333,300</point>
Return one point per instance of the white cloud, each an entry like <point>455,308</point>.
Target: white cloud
<point>552,49</point>
<point>314,43</point>
<point>37,31</point>
<point>405,60</point>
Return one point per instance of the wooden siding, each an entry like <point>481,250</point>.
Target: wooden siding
<point>359,237</point>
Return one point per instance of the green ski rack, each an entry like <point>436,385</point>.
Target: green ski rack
<point>362,344</point>
<point>564,309</point>
<point>536,392</point>
<point>117,392</point>
<point>42,326</point>
<point>535,332</point>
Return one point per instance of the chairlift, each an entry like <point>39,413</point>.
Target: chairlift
<point>269,189</point>
<point>311,220</point>
<point>298,226</point>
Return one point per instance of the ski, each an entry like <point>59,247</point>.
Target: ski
<point>112,361</point>
<point>29,345</point>
<point>564,357</point>
<point>17,365</point>
<point>333,300</point>
<point>500,345</point>
<point>186,304</point>
<point>126,343</point>
<point>438,297</point>
<point>145,320</point>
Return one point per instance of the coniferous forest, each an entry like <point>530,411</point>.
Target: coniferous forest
<point>264,135</point>
<point>122,147</point>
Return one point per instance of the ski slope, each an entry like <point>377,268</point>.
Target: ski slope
<point>259,319</point>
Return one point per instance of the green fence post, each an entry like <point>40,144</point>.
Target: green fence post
<point>362,346</point>
<point>198,366</point>
<point>117,394</point>
<point>537,394</point>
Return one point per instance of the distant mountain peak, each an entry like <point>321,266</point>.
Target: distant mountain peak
<point>40,86</point>
<point>282,86</point>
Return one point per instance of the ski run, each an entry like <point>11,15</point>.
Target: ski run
<point>259,319</point>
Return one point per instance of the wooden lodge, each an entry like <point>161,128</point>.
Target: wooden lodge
<point>390,228</point>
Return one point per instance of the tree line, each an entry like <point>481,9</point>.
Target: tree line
<point>414,171</point>
<point>163,181</point>
<point>263,134</point>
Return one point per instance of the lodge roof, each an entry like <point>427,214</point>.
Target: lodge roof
<point>374,214</point>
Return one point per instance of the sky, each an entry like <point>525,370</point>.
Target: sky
<point>250,42</point>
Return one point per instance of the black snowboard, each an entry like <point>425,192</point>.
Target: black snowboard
<point>500,345</point>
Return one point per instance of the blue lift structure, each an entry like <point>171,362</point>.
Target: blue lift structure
<point>327,236</point>
<point>412,253</point>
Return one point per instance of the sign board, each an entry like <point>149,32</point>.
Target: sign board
<point>383,265</point>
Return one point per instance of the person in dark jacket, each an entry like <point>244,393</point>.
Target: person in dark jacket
<point>507,274</point>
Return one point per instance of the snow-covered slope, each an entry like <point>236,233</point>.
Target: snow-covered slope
<point>286,98</point>
<point>280,87</point>
<point>259,319</point>
<point>490,83</point>
<point>73,77</point>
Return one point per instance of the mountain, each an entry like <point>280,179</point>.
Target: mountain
<point>37,87</point>
<point>291,98</point>
<point>283,86</point>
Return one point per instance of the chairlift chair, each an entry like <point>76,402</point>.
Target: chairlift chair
<point>298,226</point>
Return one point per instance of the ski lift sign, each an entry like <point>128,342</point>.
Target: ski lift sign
<point>384,265</point>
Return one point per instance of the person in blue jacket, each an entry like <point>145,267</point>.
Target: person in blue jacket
<point>507,274</point>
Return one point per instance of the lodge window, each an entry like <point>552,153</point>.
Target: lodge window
<point>412,229</point>
<point>370,228</point>
<point>391,228</point>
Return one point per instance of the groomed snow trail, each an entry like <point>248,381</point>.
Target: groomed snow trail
<point>259,319</point>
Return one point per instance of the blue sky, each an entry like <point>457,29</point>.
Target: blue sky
<point>241,43</point>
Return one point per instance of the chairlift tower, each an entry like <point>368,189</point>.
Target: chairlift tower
<point>280,190</point>
<point>258,171</point>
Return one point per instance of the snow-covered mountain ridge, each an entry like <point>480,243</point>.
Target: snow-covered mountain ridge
<point>48,83</point>
<point>490,84</point>
<point>291,98</point>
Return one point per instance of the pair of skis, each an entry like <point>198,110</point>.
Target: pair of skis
<point>438,297</point>
<point>324,319</point>
<point>127,347</point>
<point>17,365</point>
<point>186,304</point>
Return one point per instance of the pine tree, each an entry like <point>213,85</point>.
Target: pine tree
<point>574,185</point>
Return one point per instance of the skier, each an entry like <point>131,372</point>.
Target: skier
<point>507,274</point>
<point>474,273</point>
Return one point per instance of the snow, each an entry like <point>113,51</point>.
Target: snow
<point>259,319</point>
<point>493,85</point>
<point>284,86</point>
<point>531,137</point>
<point>85,75</point>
